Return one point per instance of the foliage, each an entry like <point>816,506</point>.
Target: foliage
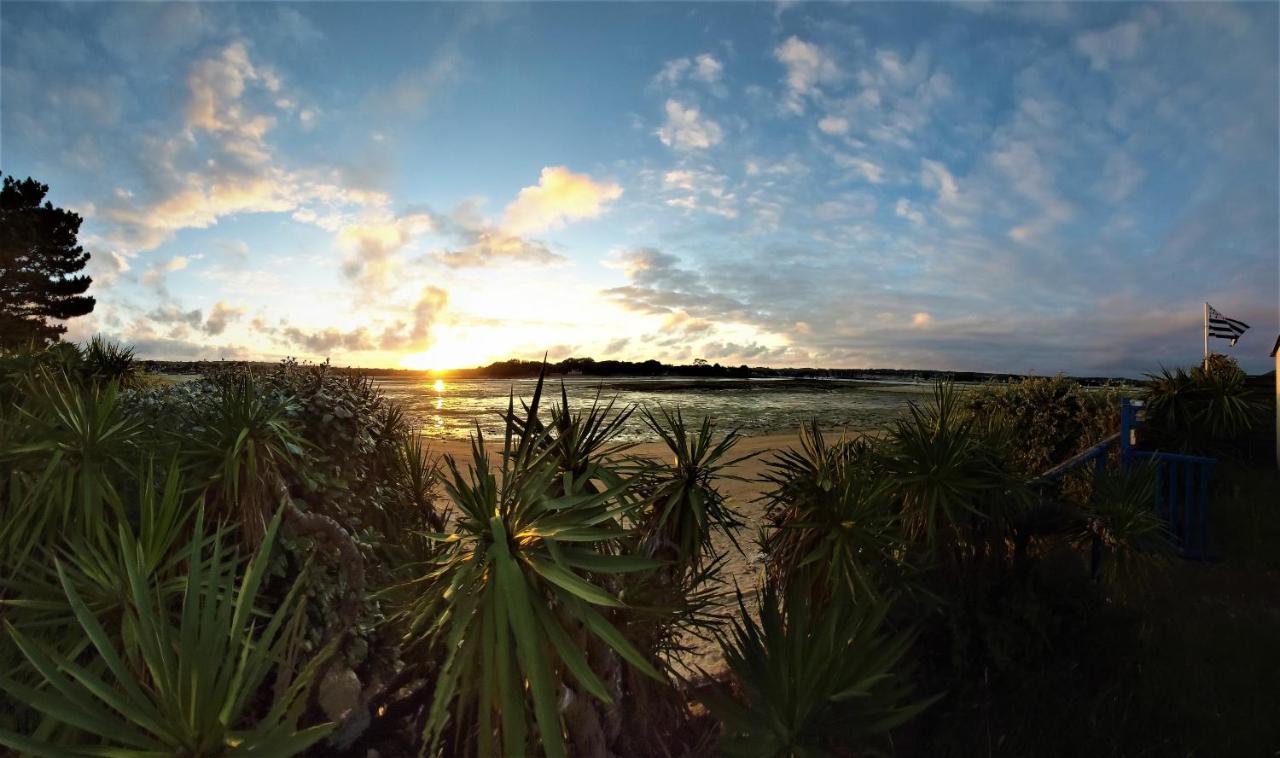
<point>831,517</point>
<point>1049,419</point>
<point>1122,524</point>
<point>105,361</point>
<point>688,507</point>
<point>66,448</point>
<point>40,261</point>
<point>514,595</point>
<point>184,688</point>
<point>1206,409</point>
<point>951,478</point>
<point>244,445</point>
<point>811,679</point>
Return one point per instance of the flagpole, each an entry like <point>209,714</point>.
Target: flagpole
<point>1206,332</point>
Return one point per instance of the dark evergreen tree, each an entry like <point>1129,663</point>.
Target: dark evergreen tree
<point>39,263</point>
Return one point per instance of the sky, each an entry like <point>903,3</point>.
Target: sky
<point>1027,187</point>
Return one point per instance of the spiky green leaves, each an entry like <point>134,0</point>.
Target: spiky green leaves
<point>687,505</point>
<point>174,685</point>
<point>520,586</point>
<point>810,679</point>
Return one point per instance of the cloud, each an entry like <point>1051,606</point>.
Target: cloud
<point>905,209</point>
<point>559,196</point>
<point>869,170</point>
<point>220,316</point>
<point>373,248</point>
<point>412,334</point>
<point>171,314</point>
<point>489,247</point>
<point>833,125</point>
<point>1120,42</point>
<point>704,68</point>
<point>413,91</point>
<point>921,319</point>
<point>415,335</point>
<point>216,87</point>
<point>700,190</point>
<point>155,274</point>
<point>686,128</point>
<point>807,67</point>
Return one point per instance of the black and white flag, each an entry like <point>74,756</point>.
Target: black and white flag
<point>1222,327</point>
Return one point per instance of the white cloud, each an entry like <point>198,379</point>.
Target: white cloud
<point>869,170</point>
<point>807,67</point>
<point>687,129</point>
<point>707,68</point>
<point>559,196</point>
<point>373,246</point>
<point>935,176</point>
<point>905,209</point>
<point>216,87</point>
<point>834,124</point>
<point>700,190</point>
<point>1121,42</point>
<point>704,68</point>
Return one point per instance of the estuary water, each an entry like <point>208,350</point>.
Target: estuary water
<point>448,409</point>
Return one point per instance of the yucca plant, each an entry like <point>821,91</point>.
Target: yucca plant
<point>174,686</point>
<point>1126,535</point>
<point>951,481</point>
<point>94,563</point>
<point>105,361</point>
<point>418,477</point>
<point>811,680</point>
<point>688,507</point>
<point>515,601</point>
<point>70,447</point>
<point>244,445</point>
<point>1204,410</point>
<point>831,516</point>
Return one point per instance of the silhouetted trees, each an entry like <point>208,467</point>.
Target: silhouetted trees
<point>39,263</point>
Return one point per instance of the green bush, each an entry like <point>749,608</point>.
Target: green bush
<point>811,681</point>
<point>1206,410</point>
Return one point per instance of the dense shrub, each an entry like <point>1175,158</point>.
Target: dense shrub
<point>1048,419</point>
<point>1207,410</point>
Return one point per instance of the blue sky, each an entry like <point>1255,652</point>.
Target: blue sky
<point>1022,187</point>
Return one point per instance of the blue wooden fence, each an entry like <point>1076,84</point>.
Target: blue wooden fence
<point>1184,480</point>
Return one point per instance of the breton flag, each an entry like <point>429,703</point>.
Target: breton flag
<point>1218,325</point>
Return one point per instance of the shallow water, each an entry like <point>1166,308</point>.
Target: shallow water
<point>446,409</point>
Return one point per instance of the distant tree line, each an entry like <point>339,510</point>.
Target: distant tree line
<point>517,368</point>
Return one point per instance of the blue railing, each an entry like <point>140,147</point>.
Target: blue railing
<point>1184,480</point>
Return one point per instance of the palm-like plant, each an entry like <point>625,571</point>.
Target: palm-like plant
<point>72,445</point>
<point>831,516</point>
<point>950,479</point>
<point>244,446</point>
<point>513,599</point>
<point>688,507</point>
<point>172,687</point>
<point>105,361</point>
<point>809,678</point>
<point>1203,409</point>
<point>94,563</point>
<point>1128,537</point>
